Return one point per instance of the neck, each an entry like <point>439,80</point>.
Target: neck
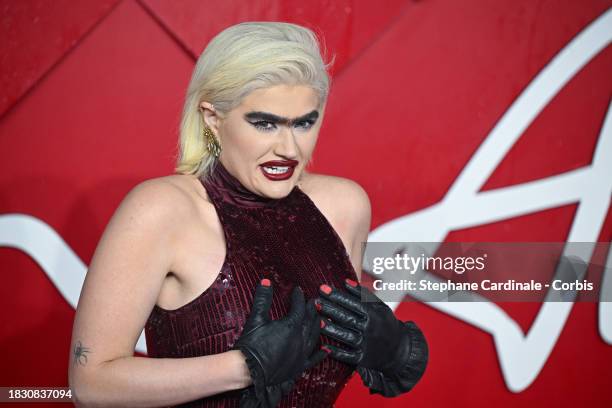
<point>230,190</point>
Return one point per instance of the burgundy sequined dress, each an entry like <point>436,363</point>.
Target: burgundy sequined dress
<point>286,240</point>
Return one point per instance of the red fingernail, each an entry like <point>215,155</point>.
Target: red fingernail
<point>351,282</point>
<point>318,305</point>
<point>322,324</point>
<point>265,282</point>
<point>325,349</point>
<point>325,289</point>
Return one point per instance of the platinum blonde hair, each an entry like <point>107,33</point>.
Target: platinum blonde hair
<point>237,61</point>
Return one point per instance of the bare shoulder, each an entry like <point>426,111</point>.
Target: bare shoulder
<point>167,204</point>
<point>338,193</point>
<point>173,194</point>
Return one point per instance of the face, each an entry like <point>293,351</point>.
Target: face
<point>269,138</point>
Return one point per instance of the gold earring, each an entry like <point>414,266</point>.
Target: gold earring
<point>212,144</point>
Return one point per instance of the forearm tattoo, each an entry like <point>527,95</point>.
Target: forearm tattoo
<point>80,353</point>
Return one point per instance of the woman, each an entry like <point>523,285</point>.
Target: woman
<point>216,262</point>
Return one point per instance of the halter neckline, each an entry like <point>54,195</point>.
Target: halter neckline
<point>231,190</point>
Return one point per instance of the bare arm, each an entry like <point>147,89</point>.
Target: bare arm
<point>121,287</point>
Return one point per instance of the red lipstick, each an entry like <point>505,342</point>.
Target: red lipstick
<point>277,170</point>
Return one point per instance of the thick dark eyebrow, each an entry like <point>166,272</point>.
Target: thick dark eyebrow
<point>270,117</point>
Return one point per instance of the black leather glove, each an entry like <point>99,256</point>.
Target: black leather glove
<point>389,355</point>
<point>278,351</point>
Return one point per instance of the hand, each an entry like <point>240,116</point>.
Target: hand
<point>277,352</point>
<point>390,355</point>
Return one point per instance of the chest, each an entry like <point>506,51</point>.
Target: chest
<point>282,242</point>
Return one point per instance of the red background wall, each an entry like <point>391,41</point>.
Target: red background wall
<point>91,94</point>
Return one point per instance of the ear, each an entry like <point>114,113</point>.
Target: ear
<point>211,117</point>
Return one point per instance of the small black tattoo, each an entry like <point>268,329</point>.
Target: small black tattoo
<point>80,353</point>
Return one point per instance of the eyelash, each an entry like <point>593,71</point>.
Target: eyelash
<point>262,125</point>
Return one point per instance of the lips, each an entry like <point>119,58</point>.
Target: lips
<point>290,163</point>
<point>277,170</point>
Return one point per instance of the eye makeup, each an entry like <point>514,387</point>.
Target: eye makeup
<point>267,121</point>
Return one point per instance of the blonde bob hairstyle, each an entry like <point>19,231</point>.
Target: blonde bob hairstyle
<point>237,61</point>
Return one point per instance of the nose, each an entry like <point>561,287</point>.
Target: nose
<point>286,145</point>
